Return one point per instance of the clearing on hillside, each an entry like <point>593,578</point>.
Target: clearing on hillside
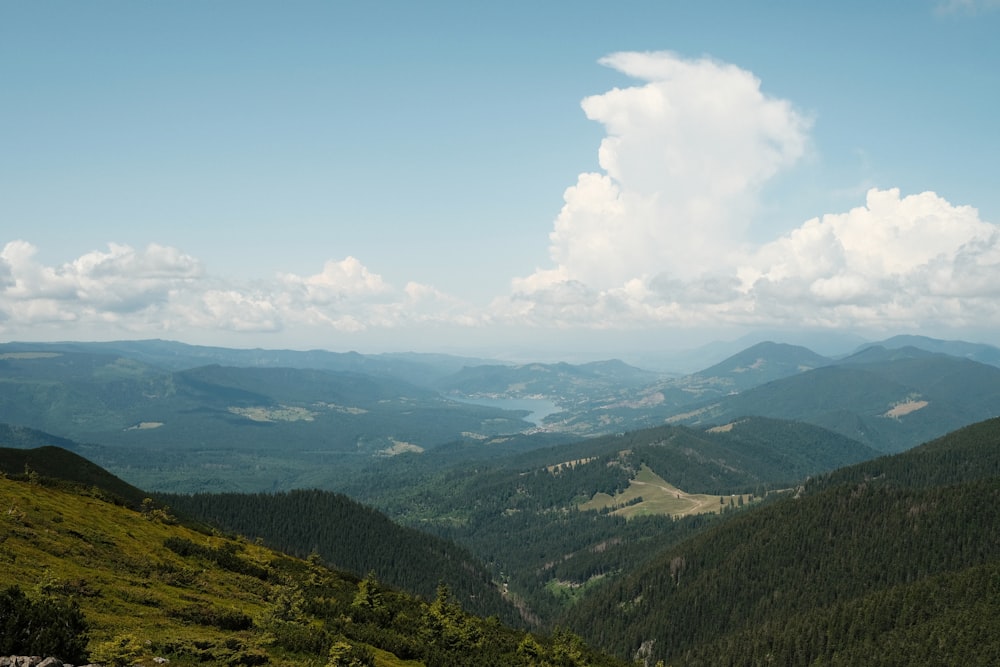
<point>648,493</point>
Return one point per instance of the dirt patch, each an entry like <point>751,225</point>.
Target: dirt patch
<point>725,428</point>
<point>906,408</point>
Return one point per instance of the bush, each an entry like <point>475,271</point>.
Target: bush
<point>345,654</point>
<point>48,626</point>
<point>122,651</point>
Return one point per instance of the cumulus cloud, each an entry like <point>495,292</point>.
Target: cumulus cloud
<point>659,236</point>
<point>337,282</point>
<point>120,280</point>
<point>896,260</point>
<point>685,154</point>
<point>162,291</point>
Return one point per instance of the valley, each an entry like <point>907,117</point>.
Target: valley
<point>615,514</point>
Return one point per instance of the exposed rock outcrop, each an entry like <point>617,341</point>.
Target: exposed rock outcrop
<point>36,661</point>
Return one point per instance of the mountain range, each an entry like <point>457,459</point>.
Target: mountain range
<point>891,561</point>
<point>163,421</point>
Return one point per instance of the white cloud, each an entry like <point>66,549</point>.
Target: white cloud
<point>684,156</point>
<point>120,280</point>
<point>162,291</point>
<point>658,238</point>
<point>655,240</point>
<point>337,282</point>
<point>893,261</point>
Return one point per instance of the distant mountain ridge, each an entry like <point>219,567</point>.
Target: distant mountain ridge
<point>257,425</point>
<point>561,381</point>
<point>981,352</point>
<point>762,363</point>
<point>101,397</point>
<point>891,399</point>
<point>417,368</point>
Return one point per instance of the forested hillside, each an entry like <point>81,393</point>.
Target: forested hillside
<point>890,400</point>
<point>231,428</point>
<point>534,500</point>
<point>894,561</point>
<point>352,537</point>
<point>84,579</point>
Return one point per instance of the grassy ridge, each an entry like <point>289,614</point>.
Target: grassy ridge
<point>148,587</point>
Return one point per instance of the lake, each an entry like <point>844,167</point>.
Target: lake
<point>538,408</point>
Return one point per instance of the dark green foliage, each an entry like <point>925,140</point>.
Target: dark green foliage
<point>345,654</point>
<point>58,463</point>
<point>299,638</point>
<point>886,559</point>
<point>47,626</point>
<point>350,536</point>
<point>530,500</point>
<point>224,619</point>
<point>227,556</point>
<point>970,453</point>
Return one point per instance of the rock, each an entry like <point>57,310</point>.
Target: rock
<point>36,661</point>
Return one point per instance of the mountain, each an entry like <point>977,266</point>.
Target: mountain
<point>562,382</point>
<point>592,511</point>
<point>237,427</point>
<point>759,364</point>
<point>339,530</point>
<point>86,579</point>
<point>888,399</point>
<point>415,368</point>
<point>890,562</point>
<point>688,361</point>
<point>985,354</point>
<point>54,462</point>
<point>633,407</point>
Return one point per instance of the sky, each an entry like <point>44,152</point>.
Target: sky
<point>520,179</point>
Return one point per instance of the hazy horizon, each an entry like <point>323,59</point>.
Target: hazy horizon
<point>571,181</point>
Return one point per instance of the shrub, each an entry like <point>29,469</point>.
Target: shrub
<point>48,626</point>
<point>122,651</point>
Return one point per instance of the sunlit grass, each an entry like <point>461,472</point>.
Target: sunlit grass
<point>648,493</point>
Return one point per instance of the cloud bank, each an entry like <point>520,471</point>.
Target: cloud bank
<point>656,238</point>
<point>659,237</point>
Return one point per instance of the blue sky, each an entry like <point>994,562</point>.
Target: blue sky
<point>516,178</point>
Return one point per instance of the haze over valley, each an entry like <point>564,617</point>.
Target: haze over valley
<point>369,465</point>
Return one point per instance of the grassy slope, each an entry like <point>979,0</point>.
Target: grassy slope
<point>648,493</point>
<point>114,561</point>
<point>56,462</point>
<point>197,598</point>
